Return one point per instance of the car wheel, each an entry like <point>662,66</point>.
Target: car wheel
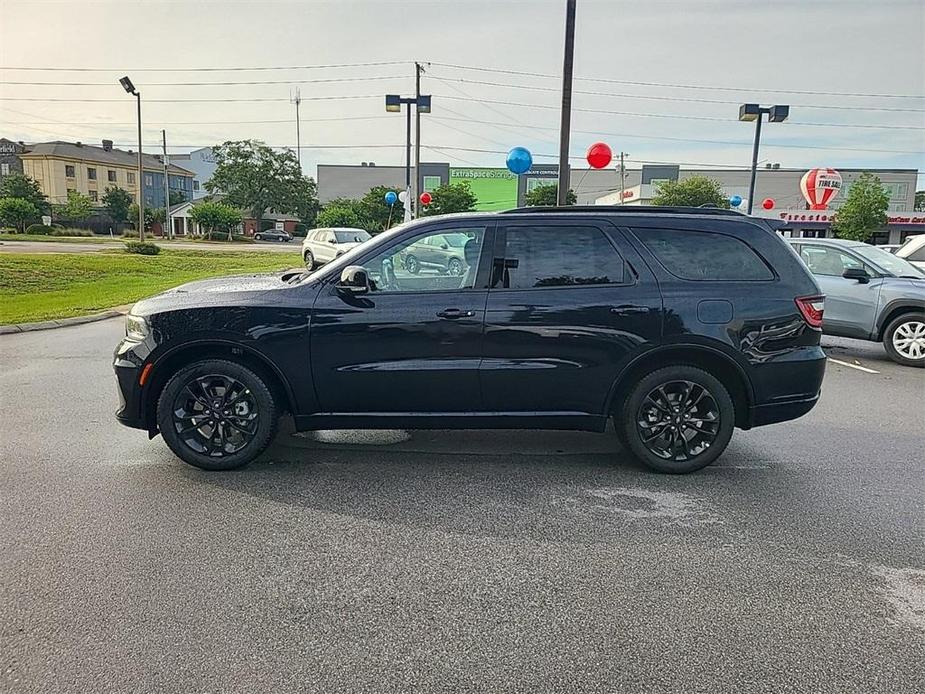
<point>454,267</point>
<point>217,415</point>
<point>309,260</point>
<point>412,265</point>
<point>904,339</point>
<point>258,237</point>
<point>677,419</point>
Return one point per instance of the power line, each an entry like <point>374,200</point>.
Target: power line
<point>669,98</point>
<point>214,122</point>
<point>682,86</point>
<point>741,143</point>
<point>123,70</point>
<point>681,116</point>
<point>209,84</point>
<point>191,101</point>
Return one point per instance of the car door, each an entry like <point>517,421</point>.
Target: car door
<point>326,247</point>
<point>569,301</point>
<point>850,305</point>
<point>410,345</point>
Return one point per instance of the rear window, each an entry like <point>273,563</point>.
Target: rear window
<point>560,256</point>
<point>701,255</point>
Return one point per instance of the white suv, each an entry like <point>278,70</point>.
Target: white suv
<point>323,245</point>
<point>913,250</point>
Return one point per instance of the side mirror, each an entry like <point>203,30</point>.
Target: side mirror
<point>354,280</point>
<point>856,273</point>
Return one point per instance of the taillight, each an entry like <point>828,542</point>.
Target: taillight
<point>811,308</point>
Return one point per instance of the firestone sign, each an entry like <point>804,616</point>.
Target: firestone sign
<point>812,217</point>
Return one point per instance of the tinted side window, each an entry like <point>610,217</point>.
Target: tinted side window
<point>699,255</point>
<point>560,256</point>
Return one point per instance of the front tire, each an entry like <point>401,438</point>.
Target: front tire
<point>258,237</point>
<point>904,339</point>
<point>412,265</point>
<point>217,414</point>
<point>309,260</point>
<point>678,419</point>
<point>455,267</point>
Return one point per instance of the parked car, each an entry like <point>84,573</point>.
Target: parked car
<point>913,250</point>
<point>442,252</point>
<point>324,245</point>
<point>677,324</point>
<point>870,294</point>
<point>273,235</point>
<point>889,247</point>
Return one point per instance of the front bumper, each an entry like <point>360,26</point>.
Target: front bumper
<point>127,364</point>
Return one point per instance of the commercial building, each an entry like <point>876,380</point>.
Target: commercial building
<point>498,189</point>
<point>10,163</point>
<point>202,163</point>
<point>60,167</point>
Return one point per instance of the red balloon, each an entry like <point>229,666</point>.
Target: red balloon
<point>426,198</point>
<point>599,155</point>
<point>768,203</point>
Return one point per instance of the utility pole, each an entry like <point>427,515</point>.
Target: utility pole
<point>297,99</point>
<point>622,178</point>
<point>141,179</point>
<point>567,65</point>
<point>169,227</point>
<point>418,69</point>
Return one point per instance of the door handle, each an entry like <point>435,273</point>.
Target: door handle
<point>628,310</point>
<point>454,313</point>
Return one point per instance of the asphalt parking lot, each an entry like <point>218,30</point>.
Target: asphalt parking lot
<point>457,561</point>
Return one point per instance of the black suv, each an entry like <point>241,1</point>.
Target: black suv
<point>677,323</point>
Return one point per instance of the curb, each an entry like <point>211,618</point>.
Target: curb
<point>62,322</point>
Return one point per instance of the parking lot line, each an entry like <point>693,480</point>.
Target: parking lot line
<point>853,366</point>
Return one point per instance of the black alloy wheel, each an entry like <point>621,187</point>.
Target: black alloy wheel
<point>412,265</point>
<point>454,267</point>
<point>217,415</point>
<point>677,419</point>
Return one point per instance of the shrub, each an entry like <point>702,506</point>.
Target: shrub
<point>129,234</point>
<point>39,229</point>
<point>61,231</point>
<point>142,248</point>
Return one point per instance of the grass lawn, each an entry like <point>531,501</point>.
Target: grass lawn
<point>35,287</point>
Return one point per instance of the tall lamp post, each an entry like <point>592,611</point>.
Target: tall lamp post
<point>755,112</point>
<point>130,88</point>
<point>393,103</point>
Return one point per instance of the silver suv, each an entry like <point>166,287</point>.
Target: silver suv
<point>324,245</point>
<point>870,294</point>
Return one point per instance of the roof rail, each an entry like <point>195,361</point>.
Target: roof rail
<point>628,209</point>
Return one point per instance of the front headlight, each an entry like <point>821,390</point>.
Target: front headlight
<point>136,327</point>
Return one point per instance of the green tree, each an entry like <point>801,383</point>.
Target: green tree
<point>451,197</point>
<point>920,201</point>
<point>339,215</point>
<point>117,203</point>
<point>18,212</point>
<point>19,186</point>
<point>176,197</point>
<point>864,210</point>
<point>376,214</point>
<point>695,191</point>
<point>153,215</point>
<point>77,208</point>
<point>546,195</point>
<point>215,216</point>
<point>254,177</point>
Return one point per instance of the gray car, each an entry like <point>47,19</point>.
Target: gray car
<point>870,294</point>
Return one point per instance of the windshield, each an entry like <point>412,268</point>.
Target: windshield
<point>352,236</point>
<point>888,262</point>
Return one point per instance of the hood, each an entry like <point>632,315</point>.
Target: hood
<point>244,290</point>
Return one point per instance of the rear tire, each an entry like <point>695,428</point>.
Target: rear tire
<point>677,420</point>
<point>904,339</point>
<point>412,265</point>
<point>258,237</point>
<point>217,414</point>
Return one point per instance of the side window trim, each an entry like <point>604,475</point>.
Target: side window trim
<point>501,263</point>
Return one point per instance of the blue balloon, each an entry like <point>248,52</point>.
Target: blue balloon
<point>735,200</point>
<point>390,198</point>
<point>519,160</point>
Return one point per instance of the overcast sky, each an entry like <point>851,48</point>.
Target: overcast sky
<point>720,52</point>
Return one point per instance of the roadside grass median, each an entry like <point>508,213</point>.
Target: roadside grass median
<point>48,238</point>
<point>45,286</point>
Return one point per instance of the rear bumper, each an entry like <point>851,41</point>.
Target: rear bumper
<point>781,411</point>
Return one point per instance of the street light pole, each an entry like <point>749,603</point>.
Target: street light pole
<point>141,180</point>
<point>748,112</point>
<point>167,232</point>
<point>418,69</point>
<point>297,99</point>
<point>568,62</point>
<point>393,104</point>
